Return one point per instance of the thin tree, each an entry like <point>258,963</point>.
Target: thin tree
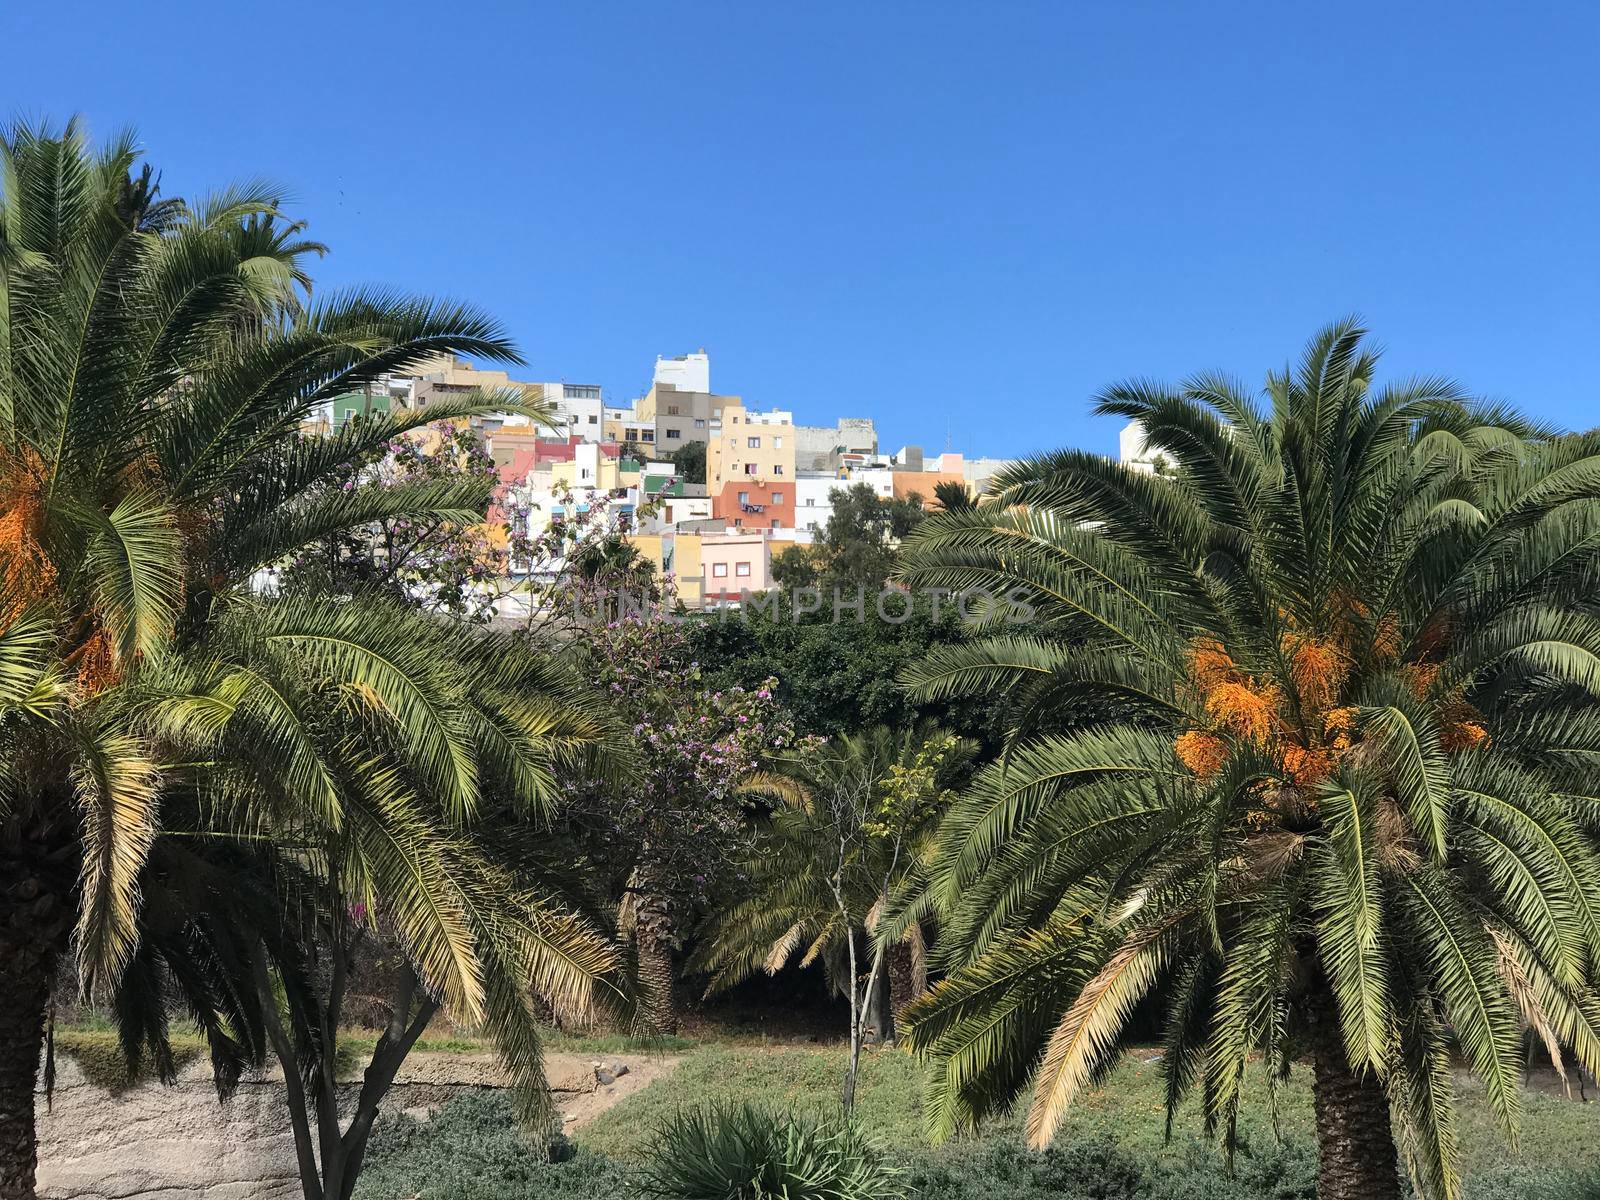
<point>1303,747</point>
<point>848,837</point>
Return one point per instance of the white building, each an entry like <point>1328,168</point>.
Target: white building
<point>579,407</point>
<point>813,499</point>
<point>813,492</point>
<point>979,471</point>
<point>1135,453</point>
<point>686,372</point>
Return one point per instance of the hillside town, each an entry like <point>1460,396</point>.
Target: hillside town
<point>709,489</point>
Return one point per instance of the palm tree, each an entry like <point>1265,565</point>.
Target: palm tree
<point>1302,749</point>
<point>156,361</point>
<point>848,837</point>
<point>953,496</point>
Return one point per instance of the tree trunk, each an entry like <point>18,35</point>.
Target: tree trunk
<point>879,1025</point>
<point>35,917</point>
<point>653,942</point>
<point>903,983</point>
<point>23,999</point>
<point>1355,1140</point>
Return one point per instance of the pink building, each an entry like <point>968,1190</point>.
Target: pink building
<point>731,563</point>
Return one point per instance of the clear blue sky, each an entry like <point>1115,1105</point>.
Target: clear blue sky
<point>950,217</point>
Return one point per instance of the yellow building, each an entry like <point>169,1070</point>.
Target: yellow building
<point>678,553</point>
<point>591,468</point>
<point>748,446</point>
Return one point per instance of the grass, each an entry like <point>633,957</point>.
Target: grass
<point>1128,1109</point>
<point>99,1056</point>
<point>91,1042</point>
<point>804,1080</point>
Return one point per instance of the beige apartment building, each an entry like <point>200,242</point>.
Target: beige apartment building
<point>679,416</point>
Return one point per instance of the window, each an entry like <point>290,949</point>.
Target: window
<point>811,501</point>
<point>674,434</point>
<point>775,522</point>
<point>777,497</point>
<point>777,443</point>
<point>699,423</point>
<point>719,570</point>
<point>750,468</point>
<point>812,526</point>
<point>742,570</point>
<point>585,473</point>
<point>580,391</point>
<point>777,468</point>
<point>744,497</point>
<point>574,419</point>
<point>593,420</point>
<point>738,520</point>
<point>647,435</point>
<point>672,410</point>
<point>753,443</point>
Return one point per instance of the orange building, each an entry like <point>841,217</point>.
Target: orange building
<point>755,504</point>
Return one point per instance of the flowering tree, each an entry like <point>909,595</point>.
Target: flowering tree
<point>465,565</point>
<point>581,568</point>
<point>675,829</point>
<point>450,562</point>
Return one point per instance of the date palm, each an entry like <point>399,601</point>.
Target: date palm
<point>156,361</point>
<point>1303,747</point>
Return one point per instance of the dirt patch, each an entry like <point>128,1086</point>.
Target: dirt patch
<point>590,1086</point>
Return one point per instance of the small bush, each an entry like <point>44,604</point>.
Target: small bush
<point>1095,1168</point>
<point>1533,1183</point>
<point>747,1153</point>
<point>472,1149</point>
<point>1085,1170</point>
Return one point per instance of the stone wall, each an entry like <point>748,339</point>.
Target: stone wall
<point>153,1142</point>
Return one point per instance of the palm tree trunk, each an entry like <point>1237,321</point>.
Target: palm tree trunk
<point>902,978</point>
<point>23,998</point>
<point>35,917</point>
<point>653,943</point>
<point>1355,1140</point>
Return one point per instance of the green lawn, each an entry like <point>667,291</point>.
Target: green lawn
<point>1128,1108</point>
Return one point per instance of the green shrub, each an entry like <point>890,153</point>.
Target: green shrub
<point>1086,1170</point>
<point>1096,1168</point>
<point>472,1149</point>
<point>1533,1183</point>
<point>741,1152</point>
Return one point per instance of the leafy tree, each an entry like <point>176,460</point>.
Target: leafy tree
<point>156,361</point>
<point>796,566</point>
<point>670,835</point>
<point>839,676</point>
<point>1336,790</point>
<point>689,461</point>
<point>855,553</point>
<point>851,829</point>
<point>857,547</point>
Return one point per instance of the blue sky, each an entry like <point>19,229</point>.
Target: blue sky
<point>960,219</point>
